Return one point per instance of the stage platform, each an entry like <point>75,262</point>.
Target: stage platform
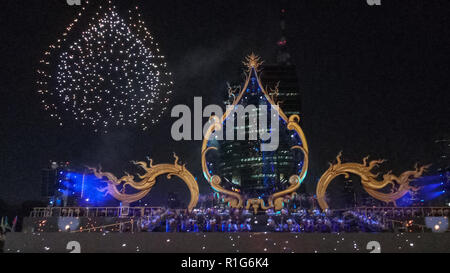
<point>218,242</point>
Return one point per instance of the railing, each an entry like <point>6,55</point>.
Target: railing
<point>94,211</point>
<point>405,219</point>
<point>149,211</point>
<point>406,211</point>
<point>400,219</point>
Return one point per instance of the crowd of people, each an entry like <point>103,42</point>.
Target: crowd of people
<point>300,214</point>
<point>235,220</point>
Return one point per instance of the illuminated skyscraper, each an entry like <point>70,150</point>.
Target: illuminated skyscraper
<point>242,165</point>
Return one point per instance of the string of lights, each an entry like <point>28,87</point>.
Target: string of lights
<point>113,74</point>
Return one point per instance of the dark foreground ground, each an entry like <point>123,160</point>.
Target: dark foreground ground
<point>62,242</point>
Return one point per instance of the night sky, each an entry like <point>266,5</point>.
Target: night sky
<point>375,80</point>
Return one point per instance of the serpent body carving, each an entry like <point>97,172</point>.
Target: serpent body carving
<point>147,181</point>
<point>399,184</point>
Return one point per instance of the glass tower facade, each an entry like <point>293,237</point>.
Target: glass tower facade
<point>242,166</point>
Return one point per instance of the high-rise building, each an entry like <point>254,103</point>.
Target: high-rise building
<point>64,185</point>
<point>242,165</point>
<point>52,178</point>
<point>443,148</point>
<point>283,75</point>
<point>442,167</point>
<point>48,182</point>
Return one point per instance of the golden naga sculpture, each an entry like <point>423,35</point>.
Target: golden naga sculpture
<point>234,199</point>
<point>147,181</point>
<point>399,184</point>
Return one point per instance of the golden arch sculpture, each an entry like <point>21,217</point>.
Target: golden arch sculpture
<point>399,184</point>
<point>234,199</point>
<point>147,181</point>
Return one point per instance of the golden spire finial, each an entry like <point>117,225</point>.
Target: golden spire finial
<point>253,61</point>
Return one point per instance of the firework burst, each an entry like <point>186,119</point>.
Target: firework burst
<point>112,75</point>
